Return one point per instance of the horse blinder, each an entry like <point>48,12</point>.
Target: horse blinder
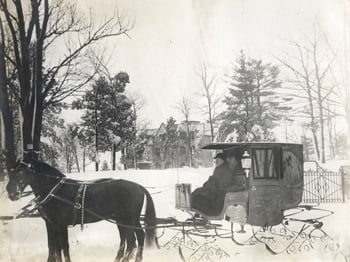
<point>18,181</point>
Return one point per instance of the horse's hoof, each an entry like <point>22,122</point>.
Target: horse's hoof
<point>118,259</point>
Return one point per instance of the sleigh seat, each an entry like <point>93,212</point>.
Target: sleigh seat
<point>234,208</point>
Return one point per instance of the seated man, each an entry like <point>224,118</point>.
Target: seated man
<point>209,198</point>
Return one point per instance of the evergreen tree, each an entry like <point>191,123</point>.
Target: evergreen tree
<point>108,115</point>
<point>134,151</point>
<point>253,105</point>
<point>84,138</point>
<point>122,131</point>
<point>51,139</point>
<point>171,140</point>
<point>94,119</point>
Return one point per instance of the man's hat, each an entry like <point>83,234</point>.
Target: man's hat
<point>220,155</point>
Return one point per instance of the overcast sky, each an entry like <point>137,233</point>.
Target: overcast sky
<point>171,39</point>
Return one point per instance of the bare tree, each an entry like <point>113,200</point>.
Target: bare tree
<point>185,107</point>
<point>138,102</point>
<point>313,82</point>
<point>344,92</point>
<point>47,75</point>
<point>209,93</point>
<point>6,120</point>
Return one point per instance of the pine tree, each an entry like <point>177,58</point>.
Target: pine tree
<point>171,140</point>
<point>108,115</point>
<point>253,103</point>
<point>51,137</point>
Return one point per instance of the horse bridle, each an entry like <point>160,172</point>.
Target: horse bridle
<point>20,183</point>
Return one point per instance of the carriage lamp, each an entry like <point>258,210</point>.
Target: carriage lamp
<point>246,162</point>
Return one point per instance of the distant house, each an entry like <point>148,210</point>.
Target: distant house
<point>158,155</point>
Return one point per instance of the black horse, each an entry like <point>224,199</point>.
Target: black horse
<point>62,202</point>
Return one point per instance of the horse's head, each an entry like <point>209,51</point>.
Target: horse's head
<point>19,178</point>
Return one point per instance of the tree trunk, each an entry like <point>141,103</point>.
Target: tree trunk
<point>320,105</point>
<point>347,114</point>
<point>189,143</point>
<point>124,155</point>
<point>96,139</point>
<point>314,136</point>
<point>313,121</point>
<point>134,158</point>
<point>27,139</point>
<point>113,157</point>
<point>37,129</point>
<point>84,159</point>
<point>96,162</point>
<point>76,157</point>
<point>67,159</point>
<point>330,133</point>
<point>6,120</point>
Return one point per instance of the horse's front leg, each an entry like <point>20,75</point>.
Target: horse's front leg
<point>64,243</point>
<point>53,243</point>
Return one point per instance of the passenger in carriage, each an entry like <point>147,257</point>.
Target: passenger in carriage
<point>209,199</point>
<point>239,178</point>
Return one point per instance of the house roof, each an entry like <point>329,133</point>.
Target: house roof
<point>151,132</point>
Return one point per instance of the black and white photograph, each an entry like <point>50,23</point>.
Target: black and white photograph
<point>188,130</point>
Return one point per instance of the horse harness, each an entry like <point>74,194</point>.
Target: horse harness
<point>78,204</point>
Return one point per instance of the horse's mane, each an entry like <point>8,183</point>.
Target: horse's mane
<point>42,167</point>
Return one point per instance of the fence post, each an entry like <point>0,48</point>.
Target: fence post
<point>345,176</point>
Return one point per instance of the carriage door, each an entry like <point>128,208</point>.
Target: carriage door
<point>265,196</point>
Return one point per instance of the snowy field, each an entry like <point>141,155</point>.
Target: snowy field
<point>25,239</point>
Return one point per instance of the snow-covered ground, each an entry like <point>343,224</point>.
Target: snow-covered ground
<point>25,239</point>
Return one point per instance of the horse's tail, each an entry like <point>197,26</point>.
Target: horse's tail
<point>150,221</point>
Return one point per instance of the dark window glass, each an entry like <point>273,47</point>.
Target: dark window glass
<point>264,163</point>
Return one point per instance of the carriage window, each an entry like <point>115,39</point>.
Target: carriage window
<point>264,163</point>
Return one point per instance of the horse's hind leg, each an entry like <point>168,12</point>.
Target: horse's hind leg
<point>131,241</point>
<point>121,249</point>
<point>140,235</point>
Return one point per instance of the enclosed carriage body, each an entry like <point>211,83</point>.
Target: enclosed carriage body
<point>273,183</point>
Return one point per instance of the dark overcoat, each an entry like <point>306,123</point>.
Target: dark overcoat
<point>209,198</point>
